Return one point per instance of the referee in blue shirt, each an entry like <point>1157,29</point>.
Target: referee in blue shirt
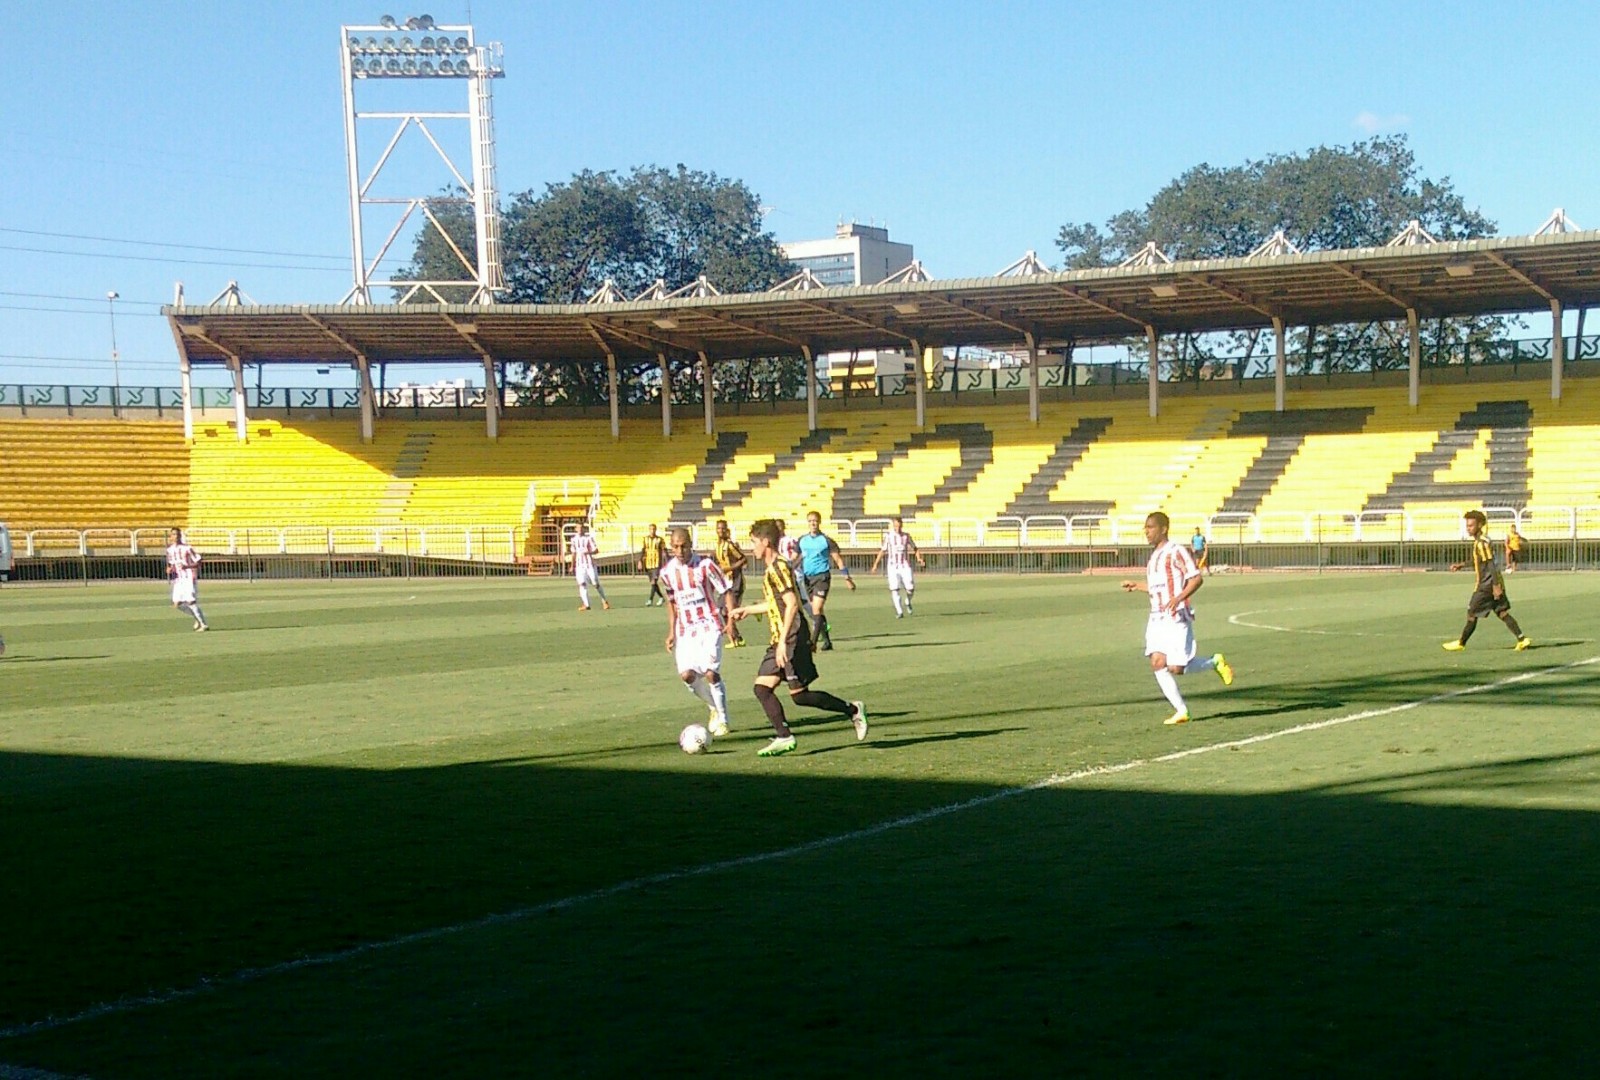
<point>819,555</point>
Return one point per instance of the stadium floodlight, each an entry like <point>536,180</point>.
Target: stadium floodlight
<point>377,52</point>
<point>116,374</point>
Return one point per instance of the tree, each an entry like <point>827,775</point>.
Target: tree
<point>1327,198</point>
<point>653,224</point>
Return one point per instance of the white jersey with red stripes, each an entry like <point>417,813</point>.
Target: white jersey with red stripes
<point>789,549</point>
<point>694,588</point>
<point>584,548</point>
<point>1170,568</point>
<point>898,547</point>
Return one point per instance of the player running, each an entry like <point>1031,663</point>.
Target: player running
<point>183,567</point>
<point>1171,578</point>
<point>1489,593</point>
<point>788,658</point>
<point>900,549</point>
<point>819,556</point>
<point>584,547</point>
<point>694,587</point>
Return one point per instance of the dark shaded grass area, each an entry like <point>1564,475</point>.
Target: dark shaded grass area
<point>1063,931</point>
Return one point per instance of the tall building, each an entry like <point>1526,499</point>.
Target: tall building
<point>856,255</point>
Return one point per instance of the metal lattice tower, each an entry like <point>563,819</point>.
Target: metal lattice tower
<point>419,50</point>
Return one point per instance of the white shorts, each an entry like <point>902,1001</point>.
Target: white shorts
<point>701,652</point>
<point>587,576</point>
<point>185,591</point>
<point>1173,638</point>
<point>902,579</point>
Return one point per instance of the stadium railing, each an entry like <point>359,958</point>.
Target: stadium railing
<point>1558,537</point>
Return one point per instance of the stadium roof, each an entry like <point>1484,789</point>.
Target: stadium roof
<point>1458,278</point>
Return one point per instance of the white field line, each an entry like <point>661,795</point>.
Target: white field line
<point>255,974</point>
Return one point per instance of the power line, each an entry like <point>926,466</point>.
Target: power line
<point>168,244</point>
<point>159,259</point>
<point>82,311</point>
<point>83,299</point>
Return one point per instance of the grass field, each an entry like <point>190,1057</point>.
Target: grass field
<point>442,828</point>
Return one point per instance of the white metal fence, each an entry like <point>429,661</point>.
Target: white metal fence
<point>507,543</point>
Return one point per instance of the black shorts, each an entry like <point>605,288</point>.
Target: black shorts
<point>802,669</point>
<point>736,586</point>
<point>817,584</point>
<point>654,572</point>
<point>1483,602</point>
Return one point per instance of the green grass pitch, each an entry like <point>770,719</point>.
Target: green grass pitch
<point>443,828</point>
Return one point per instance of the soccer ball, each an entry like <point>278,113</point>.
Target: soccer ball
<point>694,738</point>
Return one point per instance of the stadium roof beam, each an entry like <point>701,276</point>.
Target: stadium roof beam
<point>491,396</point>
<point>867,321</point>
<point>363,373</point>
<point>1143,320</point>
<point>983,312</point>
<point>235,365</point>
<point>1388,292</point>
<point>612,390</point>
<point>754,326</point>
<point>1233,292</point>
<point>1528,278</point>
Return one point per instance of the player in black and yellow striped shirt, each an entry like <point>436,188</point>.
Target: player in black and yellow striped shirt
<point>789,656</point>
<point>731,561</point>
<point>1489,593</point>
<point>652,555</point>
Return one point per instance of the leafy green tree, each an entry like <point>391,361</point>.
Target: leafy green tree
<point>561,245</point>
<point>1327,198</point>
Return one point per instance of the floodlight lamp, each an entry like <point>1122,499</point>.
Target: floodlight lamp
<point>388,21</point>
<point>426,44</point>
<point>424,22</point>
<point>392,67</point>
<point>426,67</point>
<point>389,45</point>
<point>1166,292</point>
<point>410,67</point>
<point>461,44</point>
<point>407,45</point>
<point>355,44</point>
<point>908,307</point>
<point>1458,269</point>
<point>371,45</point>
<point>357,67</point>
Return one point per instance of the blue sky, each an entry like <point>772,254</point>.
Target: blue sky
<point>204,143</point>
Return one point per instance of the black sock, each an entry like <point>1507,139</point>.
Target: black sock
<point>1466,631</point>
<point>821,699</point>
<point>1511,624</point>
<point>773,708</point>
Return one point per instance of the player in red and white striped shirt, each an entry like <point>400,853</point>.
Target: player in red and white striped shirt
<point>900,549</point>
<point>183,567</point>
<point>584,547</point>
<point>694,586</point>
<point>1171,578</point>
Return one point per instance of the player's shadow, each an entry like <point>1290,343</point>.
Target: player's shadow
<point>895,743</point>
<point>871,637</point>
<point>14,659</point>
<point>917,645</point>
<point>1270,710</point>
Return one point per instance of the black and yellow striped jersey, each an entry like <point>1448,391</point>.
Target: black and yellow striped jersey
<point>653,552</point>
<point>1483,563</point>
<point>778,580</point>
<point>726,553</point>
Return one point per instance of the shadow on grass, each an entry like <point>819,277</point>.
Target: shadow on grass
<point>1331,930</point>
<point>23,658</point>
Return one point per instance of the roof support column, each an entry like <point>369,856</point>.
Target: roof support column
<point>706,393</point>
<point>1280,364</point>
<point>666,395</point>
<point>612,395</point>
<point>368,399</point>
<point>1154,340</point>
<point>491,399</point>
<point>240,421</point>
<point>1414,357</point>
<point>186,394</point>
<point>917,358</point>
<point>809,358</point>
<point>1033,377</point>
<point>1558,349</point>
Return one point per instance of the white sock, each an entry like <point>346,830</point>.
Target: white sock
<point>719,699</point>
<point>894,594</point>
<point>601,591</point>
<point>1200,663</point>
<point>702,690</point>
<point>583,593</point>
<point>1169,687</point>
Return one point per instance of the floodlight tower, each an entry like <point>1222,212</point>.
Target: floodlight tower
<point>419,49</point>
